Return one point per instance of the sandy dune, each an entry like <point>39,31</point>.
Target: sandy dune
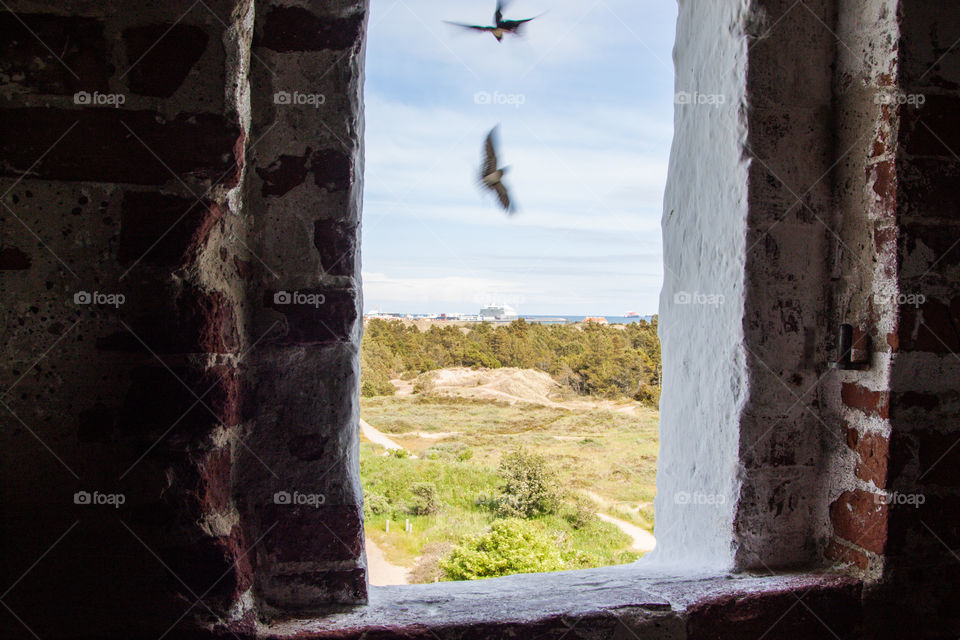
<point>511,385</point>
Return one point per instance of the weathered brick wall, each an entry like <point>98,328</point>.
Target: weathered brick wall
<point>864,279</point>
<point>122,142</point>
<point>923,452</point>
<point>899,517</point>
<point>204,162</point>
<point>303,199</point>
<point>780,519</point>
<point>166,154</point>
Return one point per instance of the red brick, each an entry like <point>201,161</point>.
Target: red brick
<point>776,615</point>
<point>858,518</point>
<point>934,526</point>
<point>884,178</point>
<point>156,399</point>
<point>216,491</point>
<point>331,321</point>
<point>173,317</point>
<point>873,451</point>
<point>28,48</point>
<point>932,327</point>
<point>928,188</point>
<point>13,259</point>
<point>294,29</point>
<point>219,331</point>
<point>914,400</point>
<point>337,244</point>
<point>939,457</point>
<point>331,170</point>
<point>161,229</point>
<point>215,568</point>
<point>847,555</point>
<point>101,149</point>
<point>940,136</point>
<point>870,402</point>
<point>941,239</point>
<point>162,55</point>
<point>283,175</point>
<point>307,534</point>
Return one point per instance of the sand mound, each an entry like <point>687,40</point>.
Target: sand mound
<point>507,384</point>
<point>510,385</point>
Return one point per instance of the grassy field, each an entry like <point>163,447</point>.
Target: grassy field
<point>606,462</point>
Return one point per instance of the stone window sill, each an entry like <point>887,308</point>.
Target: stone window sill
<point>647,602</point>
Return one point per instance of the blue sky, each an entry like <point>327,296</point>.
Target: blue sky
<point>585,106</point>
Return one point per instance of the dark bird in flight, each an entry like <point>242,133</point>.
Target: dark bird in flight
<point>500,26</point>
<point>491,176</point>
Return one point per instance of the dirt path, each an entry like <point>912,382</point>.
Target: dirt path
<point>377,437</point>
<point>643,540</point>
<point>381,572</point>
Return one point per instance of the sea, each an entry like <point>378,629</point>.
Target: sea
<point>575,319</point>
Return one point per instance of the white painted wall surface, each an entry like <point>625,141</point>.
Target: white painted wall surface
<point>704,229</point>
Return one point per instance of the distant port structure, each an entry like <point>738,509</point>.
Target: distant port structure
<point>504,314</point>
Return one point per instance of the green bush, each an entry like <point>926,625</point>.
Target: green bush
<point>579,512</point>
<point>649,396</point>
<point>531,487</point>
<point>510,546</point>
<point>426,499</point>
<point>375,504</point>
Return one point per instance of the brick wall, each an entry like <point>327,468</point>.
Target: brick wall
<point>864,279</point>
<point>780,517</point>
<point>164,155</point>
<point>898,517</point>
<point>123,144</point>
<point>179,271</point>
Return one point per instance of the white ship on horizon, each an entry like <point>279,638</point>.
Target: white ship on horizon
<point>498,313</point>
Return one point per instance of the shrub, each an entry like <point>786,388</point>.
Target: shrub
<point>531,487</point>
<point>579,513</point>
<point>375,504</point>
<point>649,396</point>
<point>510,546</point>
<point>375,384</point>
<point>426,499</point>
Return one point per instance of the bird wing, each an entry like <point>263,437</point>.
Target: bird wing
<point>473,27</point>
<point>514,25</point>
<point>489,155</point>
<point>503,196</point>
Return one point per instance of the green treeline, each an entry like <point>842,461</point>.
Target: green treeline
<point>589,359</point>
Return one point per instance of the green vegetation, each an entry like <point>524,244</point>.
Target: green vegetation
<point>510,546</point>
<point>608,453</point>
<point>493,487</point>
<point>500,488</point>
<point>607,361</point>
<point>531,487</point>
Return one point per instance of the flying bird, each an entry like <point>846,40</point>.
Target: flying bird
<point>500,26</point>
<point>491,176</point>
